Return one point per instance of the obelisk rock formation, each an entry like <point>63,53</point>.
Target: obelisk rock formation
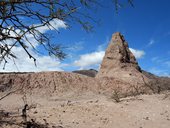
<point>119,62</point>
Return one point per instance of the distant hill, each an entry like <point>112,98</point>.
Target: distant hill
<point>90,72</point>
<point>156,81</point>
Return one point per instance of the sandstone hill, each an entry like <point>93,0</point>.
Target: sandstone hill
<point>155,81</point>
<point>46,83</point>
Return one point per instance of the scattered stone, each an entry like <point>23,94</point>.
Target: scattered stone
<point>35,112</point>
<point>146,118</point>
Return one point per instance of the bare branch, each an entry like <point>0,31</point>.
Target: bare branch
<point>20,18</point>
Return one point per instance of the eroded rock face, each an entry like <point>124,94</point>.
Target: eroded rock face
<point>46,83</point>
<point>119,62</point>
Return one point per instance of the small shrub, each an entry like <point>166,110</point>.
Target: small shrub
<point>116,94</point>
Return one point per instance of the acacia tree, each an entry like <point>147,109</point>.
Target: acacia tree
<point>15,29</point>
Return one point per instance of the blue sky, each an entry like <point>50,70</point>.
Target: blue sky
<point>146,28</point>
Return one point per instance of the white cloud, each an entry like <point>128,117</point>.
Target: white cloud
<point>25,64</point>
<point>103,46</point>
<point>56,24</point>
<point>151,42</point>
<point>95,58</point>
<point>167,63</point>
<point>160,60</point>
<point>77,46</point>
<point>137,53</point>
<point>168,52</point>
<point>89,59</point>
<point>155,59</point>
<point>159,72</point>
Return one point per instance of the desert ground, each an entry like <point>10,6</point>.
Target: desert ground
<point>88,110</point>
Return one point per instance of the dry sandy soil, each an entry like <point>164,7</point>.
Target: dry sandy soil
<point>89,110</point>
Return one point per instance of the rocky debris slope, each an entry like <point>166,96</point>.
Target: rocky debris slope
<point>156,82</point>
<point>56,83</point>
<point>47,83</point>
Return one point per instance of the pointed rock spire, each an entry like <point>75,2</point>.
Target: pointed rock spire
<point>119,61</point>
